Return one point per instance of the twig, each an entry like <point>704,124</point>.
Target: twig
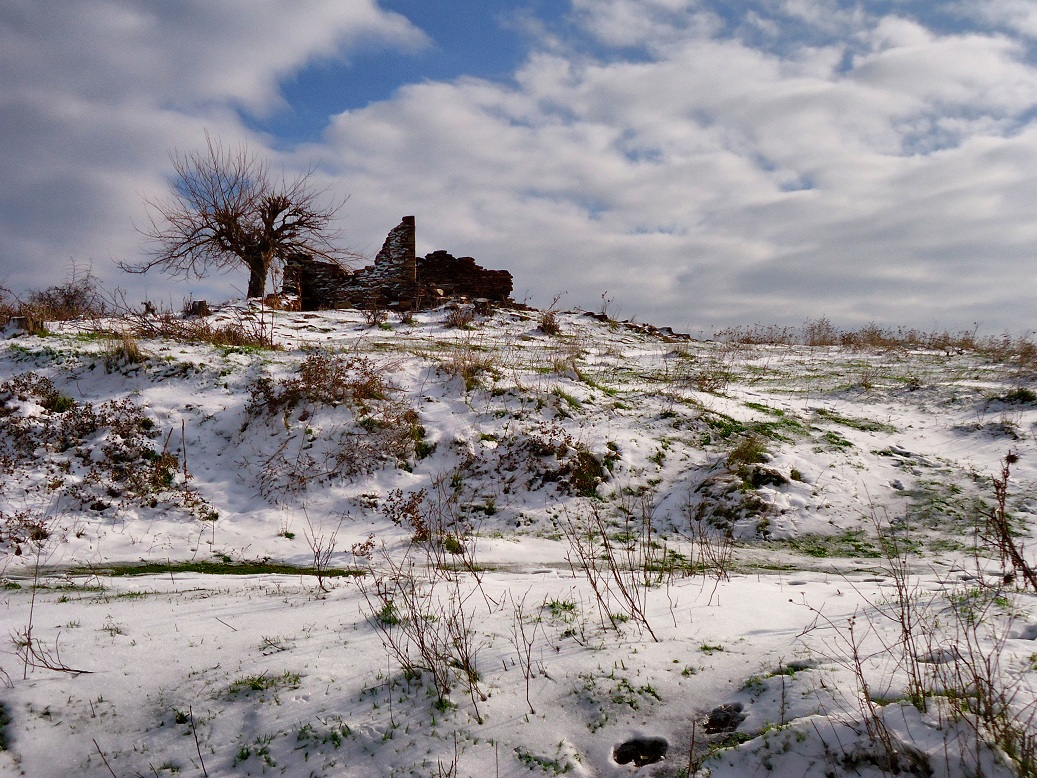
<point>183,446</point>
<point>104,759</point>
<point>224,623</point>
<point>197,745</point>
<point>691,751</point>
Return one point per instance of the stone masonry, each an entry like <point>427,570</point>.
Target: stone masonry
<point>398,278</point>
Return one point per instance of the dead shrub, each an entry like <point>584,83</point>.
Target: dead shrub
<point>374,427</point>
<point>130,467</point>
<point>549,324</point>
<point>469,363</point>
<point>820,332</point>
<point>375,314</point>
<point>408,511</point>
<point>460,317</point>
<point>124,351</point>
<point>79,296</point>
<point>325,378</point>
<point>247,330</point>
<point>426,630</point>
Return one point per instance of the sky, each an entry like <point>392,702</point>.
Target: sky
<point>702,164</point>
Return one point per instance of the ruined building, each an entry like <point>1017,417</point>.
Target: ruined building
<point>398,278</point>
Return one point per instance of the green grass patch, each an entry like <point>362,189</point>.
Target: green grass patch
<point>864,425</point>
<point>212,568</point>
<point>264,682</point>
<point>850,543</point>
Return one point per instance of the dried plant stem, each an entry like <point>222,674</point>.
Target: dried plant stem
<point>104,759</point>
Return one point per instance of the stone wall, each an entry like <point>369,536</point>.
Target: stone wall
<point>396,279</point>
<point>461,277</point>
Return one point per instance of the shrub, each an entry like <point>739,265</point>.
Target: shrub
<point>246,331</point>
<point>325,378</point>
<point>374,314</point>
<point>124,351</point>
<point>820,332</point>
<point>468,363</point>
<point>79,296</point>
<point>460,317</point>
<point>131,467</point>
<point>381,427</point>
<point>549,323</point>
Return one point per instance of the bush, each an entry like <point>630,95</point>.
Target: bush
<point>549,324</point>
<point>460,317</point>
<point>325,378</point>
<point>377,428</point>
<point>131,467</point>
<point>79,296</point>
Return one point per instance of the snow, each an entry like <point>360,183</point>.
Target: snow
<point>511,446</point>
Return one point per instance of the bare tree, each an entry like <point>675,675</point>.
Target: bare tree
<point>226,210</point>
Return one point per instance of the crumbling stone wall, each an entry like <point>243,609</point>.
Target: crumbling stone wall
<point>397,278</point>
<point>461,277</point>
<point>397,256</point>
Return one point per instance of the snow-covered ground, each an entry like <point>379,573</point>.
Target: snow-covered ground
<point>415,549</point>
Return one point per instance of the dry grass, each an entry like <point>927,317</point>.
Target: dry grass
<point>1019,350</point>
<point>247,331</point>
<point>124,351</point>
<point>78,297</point>
<point>460,317</point>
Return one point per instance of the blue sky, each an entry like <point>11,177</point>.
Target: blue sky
<point>486,39</point>
<point>705,163</point>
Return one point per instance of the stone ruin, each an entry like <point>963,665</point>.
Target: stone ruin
<point>397,279</point>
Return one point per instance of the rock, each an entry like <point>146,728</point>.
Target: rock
<point>641,751</point>
<point>724,718</point>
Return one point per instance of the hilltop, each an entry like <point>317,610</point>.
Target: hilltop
<point>460,543</point>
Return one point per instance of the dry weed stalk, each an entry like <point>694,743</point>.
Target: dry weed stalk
<point>950,646</point>
<point>322,546</point>
<point>620,573</point>
<point>712,548</point>
<point>422,629</point>
<point>844,645</point>
<point>31,650</point>
<point>460,316</point>
<point>524,630</point>
<point>997,531</point>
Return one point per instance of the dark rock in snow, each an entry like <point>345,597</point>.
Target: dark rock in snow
<point>641,751</point>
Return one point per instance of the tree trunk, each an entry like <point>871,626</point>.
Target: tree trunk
<point>257,271</point>
<point>256,283</point>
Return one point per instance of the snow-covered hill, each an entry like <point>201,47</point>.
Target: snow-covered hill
<point>421,549</point>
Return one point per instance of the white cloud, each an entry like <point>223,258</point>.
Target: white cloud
<point>847,164</point>
<point>719,183</point>
<point>1018,16</point>
<point>96,93</point>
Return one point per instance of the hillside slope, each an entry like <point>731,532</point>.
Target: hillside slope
<point>555,544</point>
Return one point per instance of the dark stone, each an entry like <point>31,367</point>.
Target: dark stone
<point>197,308</point>
<point>641,751</point>
<point>398,252</point>
<point>724,718</point>
<point>765,476</point>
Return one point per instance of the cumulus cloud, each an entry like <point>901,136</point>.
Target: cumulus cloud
<point>804,158</point>
<point>97,93</point>
<point>886,177</point>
